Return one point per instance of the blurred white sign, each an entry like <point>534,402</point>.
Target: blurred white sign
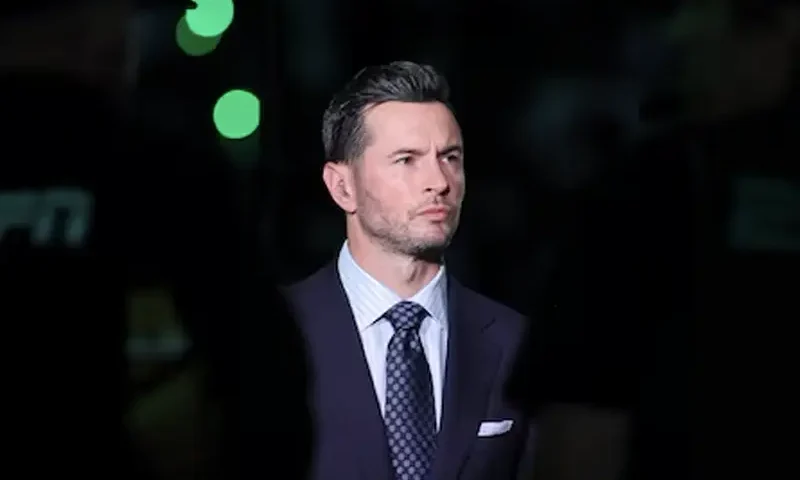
<point>164,348</point>
<point>766,214</point>
<point>37,211</point>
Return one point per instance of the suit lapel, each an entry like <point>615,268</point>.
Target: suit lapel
<point>342,359</point>
<point>472,363</point>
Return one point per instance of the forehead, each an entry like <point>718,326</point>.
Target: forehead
<point>394,125</point>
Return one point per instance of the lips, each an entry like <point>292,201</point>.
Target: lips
<point>436,213</point>
<point>436,209</point>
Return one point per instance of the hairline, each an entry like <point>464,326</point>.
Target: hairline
<point>361,124</point>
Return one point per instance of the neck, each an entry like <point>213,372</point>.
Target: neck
<point>403,274</point>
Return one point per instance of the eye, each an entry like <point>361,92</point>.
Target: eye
<point>453,158</point>
<point>403,160</point>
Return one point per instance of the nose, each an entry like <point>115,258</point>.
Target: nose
<point>436,179</point>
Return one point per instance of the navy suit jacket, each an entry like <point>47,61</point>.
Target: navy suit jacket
<point>350,442</point>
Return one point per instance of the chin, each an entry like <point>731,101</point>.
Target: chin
<point>433,242</point>
<point>429,251</point>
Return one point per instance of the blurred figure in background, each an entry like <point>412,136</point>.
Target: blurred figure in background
<point>207,410</point>
<point>734,117</point>
<point>740,56</point>
<point>62,139</point>
<point>615,354</point>
<point>104,220</point>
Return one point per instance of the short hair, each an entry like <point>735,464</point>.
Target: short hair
<point>343,134</point>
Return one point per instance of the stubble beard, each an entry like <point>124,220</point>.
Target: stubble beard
<point>396,237</point>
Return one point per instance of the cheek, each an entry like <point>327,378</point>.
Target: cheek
<point>391,192</point>
<point>393,204</point>
<point>372,200</point>
<point>458,184</point>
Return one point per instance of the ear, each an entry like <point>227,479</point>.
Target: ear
<point>338,178</point>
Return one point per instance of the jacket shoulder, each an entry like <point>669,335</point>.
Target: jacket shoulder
<point>310,287</point>
<point>511,322</point>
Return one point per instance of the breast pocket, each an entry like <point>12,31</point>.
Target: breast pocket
<point>498,437</point>
<point>495,428</point>
<point>495,449</point>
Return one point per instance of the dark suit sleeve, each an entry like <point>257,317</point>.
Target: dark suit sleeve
<point>519,391</point>
<point>527,460</point>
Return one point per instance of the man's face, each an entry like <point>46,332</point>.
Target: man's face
<point>409,183</point>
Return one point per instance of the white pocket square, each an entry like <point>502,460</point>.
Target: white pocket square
<point>492,429</point>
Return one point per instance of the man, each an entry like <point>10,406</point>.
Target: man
<point>408,366</point>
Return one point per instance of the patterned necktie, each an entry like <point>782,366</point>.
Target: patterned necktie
<point>410,415</point>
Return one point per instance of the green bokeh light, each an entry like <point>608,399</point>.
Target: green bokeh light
<point>210,18</point>
<point>237,114</point>
<point>191,43</point>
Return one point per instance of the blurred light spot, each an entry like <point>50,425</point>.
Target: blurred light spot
<point>191,43</point>
<point>237,114</point>
<point>211,17</point>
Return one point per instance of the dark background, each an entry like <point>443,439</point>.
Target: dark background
<point>633,189</point>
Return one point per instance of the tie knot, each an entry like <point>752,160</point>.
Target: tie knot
<point>406,315</point>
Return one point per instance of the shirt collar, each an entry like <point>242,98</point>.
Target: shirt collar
<point>369,299</point>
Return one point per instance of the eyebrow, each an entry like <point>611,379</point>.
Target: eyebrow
<point>457,149</point>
